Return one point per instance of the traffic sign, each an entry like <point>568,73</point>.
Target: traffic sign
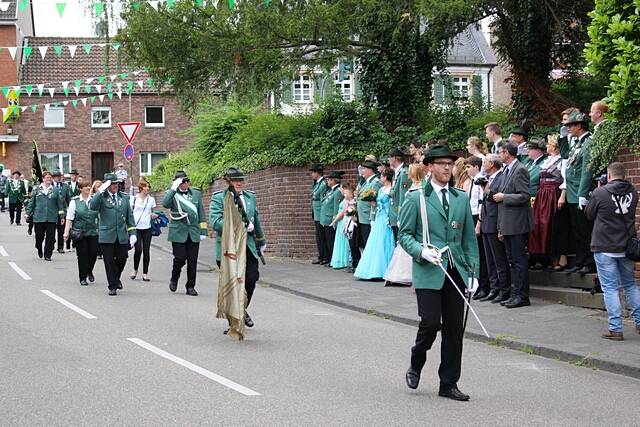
<point>128,130</point>
<point>128,152</point>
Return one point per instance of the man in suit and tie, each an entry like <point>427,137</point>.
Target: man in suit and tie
<point>494,135</point>
<point>440,306</point>
<point>318,191</point>
<point>514,221</point>
<point>494,250</point>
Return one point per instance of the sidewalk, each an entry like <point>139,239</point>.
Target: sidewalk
<point>547,329</point>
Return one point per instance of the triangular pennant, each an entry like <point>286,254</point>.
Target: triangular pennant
<point>5,91</point>
<point>129,87</point>
<point>12,51</point>
<point>87,88</point>
<point>110,95</point>
<point>119,93</point>
<point>76,89</point>
<point>170,3</point>
<point>113,77</point>
<point>74,102</point>
<point>23,5</point>
<point>84,101</point>
<point>135,73</point>
<point>65,84</point>
<point>34,108</point>
<point>24,108</point>
<point>92,99</point>
<point>66,91</point>
<point>57,49</point>
<point>136,5</point>
<point>60,6</point>
<point>27,52</point>
<point>89,80</point>
<point>153,4</point>
<point>232,4</point>
<point>109,86</point>
<point>198,2</point>
<point>116,45</point>
<point>124,75</point>
<point>52,91</point>
<point>141,83</point>
<point>87,47</point>
<point>28,89</point>
<point>46,107</point>
<point>119,85</point>
<point>98,7</point>
<point>101,97</point>
<point>4,112</point>
<point>65,103</point>
<point>77,83</point>
<point>17,90</point>
<point>98,88</point>
<point>150,82</point>
<point>102,45</point>
<point>4,6</point>
<point>43,50</point>
<point>72,49</point>
<point>40,88</point>
<point>267,2</point>
<point>101,79</point>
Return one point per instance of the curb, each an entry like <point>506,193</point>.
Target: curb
<point>507,342</point>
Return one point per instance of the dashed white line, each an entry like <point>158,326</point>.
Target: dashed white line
<point>3,252</point>
<point>195,368</point>
<point>67,304</point>
<point>18,270</point>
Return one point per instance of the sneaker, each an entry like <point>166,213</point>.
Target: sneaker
<point>614,336</point>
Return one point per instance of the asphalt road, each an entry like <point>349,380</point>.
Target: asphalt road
<point>151,357</point>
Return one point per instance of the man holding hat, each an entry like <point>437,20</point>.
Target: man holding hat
<point>329,210</point>
<point>578,180</point>
<point>318,191</point>
<point>16,192</point>
<point>117,230</point>
<point>63,192</point>
<point>365,212</point>
<point>246,203</point>
<point>401,184</point>
<point>536,151</point>
<point>449,243</point>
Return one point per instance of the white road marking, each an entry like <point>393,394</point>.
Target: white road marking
<point>18,270</point>
<point>3,252</point>
<point>195,368</point>
<point>67,304</point>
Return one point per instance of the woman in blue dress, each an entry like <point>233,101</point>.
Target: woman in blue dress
<point>380,245</point>
<point>341,252</point>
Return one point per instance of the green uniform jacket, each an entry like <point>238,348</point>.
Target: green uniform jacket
<point>45,207</point>
<point>399,189</point>
<point>365,213</point>
<point>4,182</point>
<point>85,219</point>
<point>193,225</point>
<point>534,174</point>
<point>578,175</point>
<point>317,194</point>
<point>216,208</point>
<point>65,198</point>
<point>72,193</point>
<point>116,221</point>
<point>457,232</point>
<point>330,206</point>
<point>16,191</point>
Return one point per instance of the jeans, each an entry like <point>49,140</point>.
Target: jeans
<point>612,271</point>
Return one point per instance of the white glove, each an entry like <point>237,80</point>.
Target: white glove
<point>176,184</point>
<point>582,202</point>
<point>104,186</point>
<point>132,240</point>
<point>472,285</point>
<point>202,237</point>
<point>432,255</point>
<point>250,227</point>
<point>263,248</point>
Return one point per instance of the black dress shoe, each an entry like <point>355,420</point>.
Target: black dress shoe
<point>518,302</point>
<point>113,292</point>
<point>60,251</point>
<point>452,392</point>
<point>480,295</point>
<point>39,253</point>
<point>91,278</point>
<point>502,297</point>
<point>248,321</point>
<point>316,261</point>
<point>119,284</point>
<point>173,286</point>
<point>585,270</point>
<point>17,223</point>
<point>225,332</point>
<point>29,232</point>
<point>491,296</point>
<point>84,283</point>
<point>573,269</point>
<point>47,258</point>
<point>192,292</point>
<point>413,378</point>
<point>503,303</point>
<point>324,262</point>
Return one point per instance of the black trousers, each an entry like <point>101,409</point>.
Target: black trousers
<point>322,255</point>
<point>354,248</point>
<point>30,222</point>
<point>86,252</point>
<point>483,280</point>
<point>581,229</point>
<point>143,245</point>
<point>329,239</point>
<point>45,231</point>
<point>15,209</point>
<point>394,229</point>
<point>2,206</point>
<point>251,276</point>
<point>441,310</point>
<point>185,253</point>
<point>363,233</point>
<point>496,261</point>
<point>516,246</point>
<point>60,232</point>
<point>114,256</point>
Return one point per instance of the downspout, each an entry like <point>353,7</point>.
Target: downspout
<point>489,87</point>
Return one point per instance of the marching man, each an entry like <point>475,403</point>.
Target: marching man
<point>436,229</point>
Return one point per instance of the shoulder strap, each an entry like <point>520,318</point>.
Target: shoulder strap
<point>426,239</point>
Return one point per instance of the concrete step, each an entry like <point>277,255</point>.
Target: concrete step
<point>562,280</point>
<point>568,296</point>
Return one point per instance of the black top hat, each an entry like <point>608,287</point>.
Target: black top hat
<point>537,144</point>
<point>317,167</point>
<point>577,118</point>
<point>16,172</point>
<point>438,151</point>
<point>180,174</point>
<point>56,173</point>
<point>520,131</point>
<point>234,173</point>
<point>110,176</point>
<point>370,165</point>
<point>335,175</point>
<point>397,152</point>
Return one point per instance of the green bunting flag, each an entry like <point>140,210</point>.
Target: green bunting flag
<point>27,52</point>
<point>98,7</point>
<point>150,82</point>
<point>74,102</point>
<point>60,6</point>
<point>66,91</point>
<point>28,89</point>
<point>232,3</point>
<point>267,2</point>
<point>116,45</point>
<point>92,99</point>
<point>136,5</point>
<point>76,84</point>
<point>5,91</point>
<point>101,79</point>
<point>57,49</point>
<point>171,3</point>
<point>109,86</point>
<point>129,88</point>
<point>87,88</point>
<point>87,48</point>
<point>198,2</point>
<point>124,75</point>
<point>110,95</point>
<point>34,108</point>
<point>23,5</point>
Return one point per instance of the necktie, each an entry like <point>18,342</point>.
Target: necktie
<point>445,203</point>
<point>113,199</point>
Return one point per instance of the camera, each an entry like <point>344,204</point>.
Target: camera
<point>602,179</point>
<point>481,181</point>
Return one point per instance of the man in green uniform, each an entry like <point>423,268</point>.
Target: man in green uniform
<point>187,227</point>
<point>365,212</point>
<point>449,242</point>
<point>318,190</point>
<point>256,242</point>
<point>72,186</point>
<point>117,229</point>
<point>63,192</point>
<point>329,210</point>
<point>3,188</point>
<point>16,192</point>
<point>401,184</point>
<point>46,210</point>
<point>536,153</point>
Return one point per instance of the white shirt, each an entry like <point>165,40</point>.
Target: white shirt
<point>438,189</point>
<point>495,145</point>
<point>397,171</point>
<point>73,185</point>
<point>71,211</point>
<point>319,180</point>
<point>46,190</point>
<point>475,196</point>
<point>549,161</point>
<point>142,210</point>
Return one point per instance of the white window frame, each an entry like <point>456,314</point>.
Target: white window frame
<point>457,85</point>
<point>345,88</point>
<point>153,125</point>
<point>298,86</point>
<point>60,162</point>
<point>53,125</point>
<point>100,125</point>
<point>147,155</point>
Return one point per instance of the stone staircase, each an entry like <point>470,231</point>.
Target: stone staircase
<point>569,289</point>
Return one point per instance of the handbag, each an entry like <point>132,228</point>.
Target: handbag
<point>632,248</point>
<point>76,234</point>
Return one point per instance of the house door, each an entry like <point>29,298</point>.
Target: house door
<point>101,163</point>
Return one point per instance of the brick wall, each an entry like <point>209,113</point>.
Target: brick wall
<point>8,77</point>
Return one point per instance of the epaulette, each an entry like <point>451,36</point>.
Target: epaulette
<point>217,192</point>
<point>455,191</point>
<point>249,191</point>
<point>411,190</point>
<point>75,198</point>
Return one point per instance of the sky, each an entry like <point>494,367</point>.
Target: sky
<point>76,20</point>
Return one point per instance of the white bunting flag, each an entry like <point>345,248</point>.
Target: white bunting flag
<point>52,90</point>
<point>16,89</point>
<point>23,108</point>
<point>89,80</point>
<point>141,83</point>
<point>119,93</point>
<point>119,86</point>
<point>65,103</point>
<point>65,84</point>
<point>40,89</point>
<point>101,97</point>
<point>113,77</point>
<point>43,50</point>
<point>76,89</point>
<point>12,52</point>
<point>84,101</point>
<point>153,4</point>
<point>4,5</point>
<point>4,111</point>
<point>46,107</point>
<point>72,49</point>
<point>102,44</point>
<point>98,88</point>
<point>135,73</point>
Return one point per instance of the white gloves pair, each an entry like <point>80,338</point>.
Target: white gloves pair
<point>176,184</point>
<point>104,186</point>
<point>132,240</point>
<point>434,256</point>
<point>263,248</point>
<point>250,227</point>
<point>202,237</point>
<point>582,202</point>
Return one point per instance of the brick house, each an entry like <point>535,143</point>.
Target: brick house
<point>85,136</point>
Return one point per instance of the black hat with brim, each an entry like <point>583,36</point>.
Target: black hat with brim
<point>234,173</point>
<point>397,152</point>
<point>438,151</point>
<point>370,165</point>
<point>335,175</point>
<point>180,174</point>
<point>537,144</point>
<point>56,173</point>
<point>74,172</point>
<point>111,177</point>
<point>577,118</point>
<point>520,131</point>
<point>316,167</point>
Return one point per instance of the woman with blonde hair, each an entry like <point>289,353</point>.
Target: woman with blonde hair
<point>476,147</point>
<point>460,175</point>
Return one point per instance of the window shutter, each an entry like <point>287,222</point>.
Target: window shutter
<point>438,96</point>
<point>358,89</point>
<point>319,90</point>
<point>287,92</point>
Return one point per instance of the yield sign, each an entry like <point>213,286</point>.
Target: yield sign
<point>129,129</point>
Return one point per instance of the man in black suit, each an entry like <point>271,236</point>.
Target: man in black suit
<point>514,221</point>
<point>495,252</point>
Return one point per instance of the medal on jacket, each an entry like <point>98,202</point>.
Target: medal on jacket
<point>455,225</point>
